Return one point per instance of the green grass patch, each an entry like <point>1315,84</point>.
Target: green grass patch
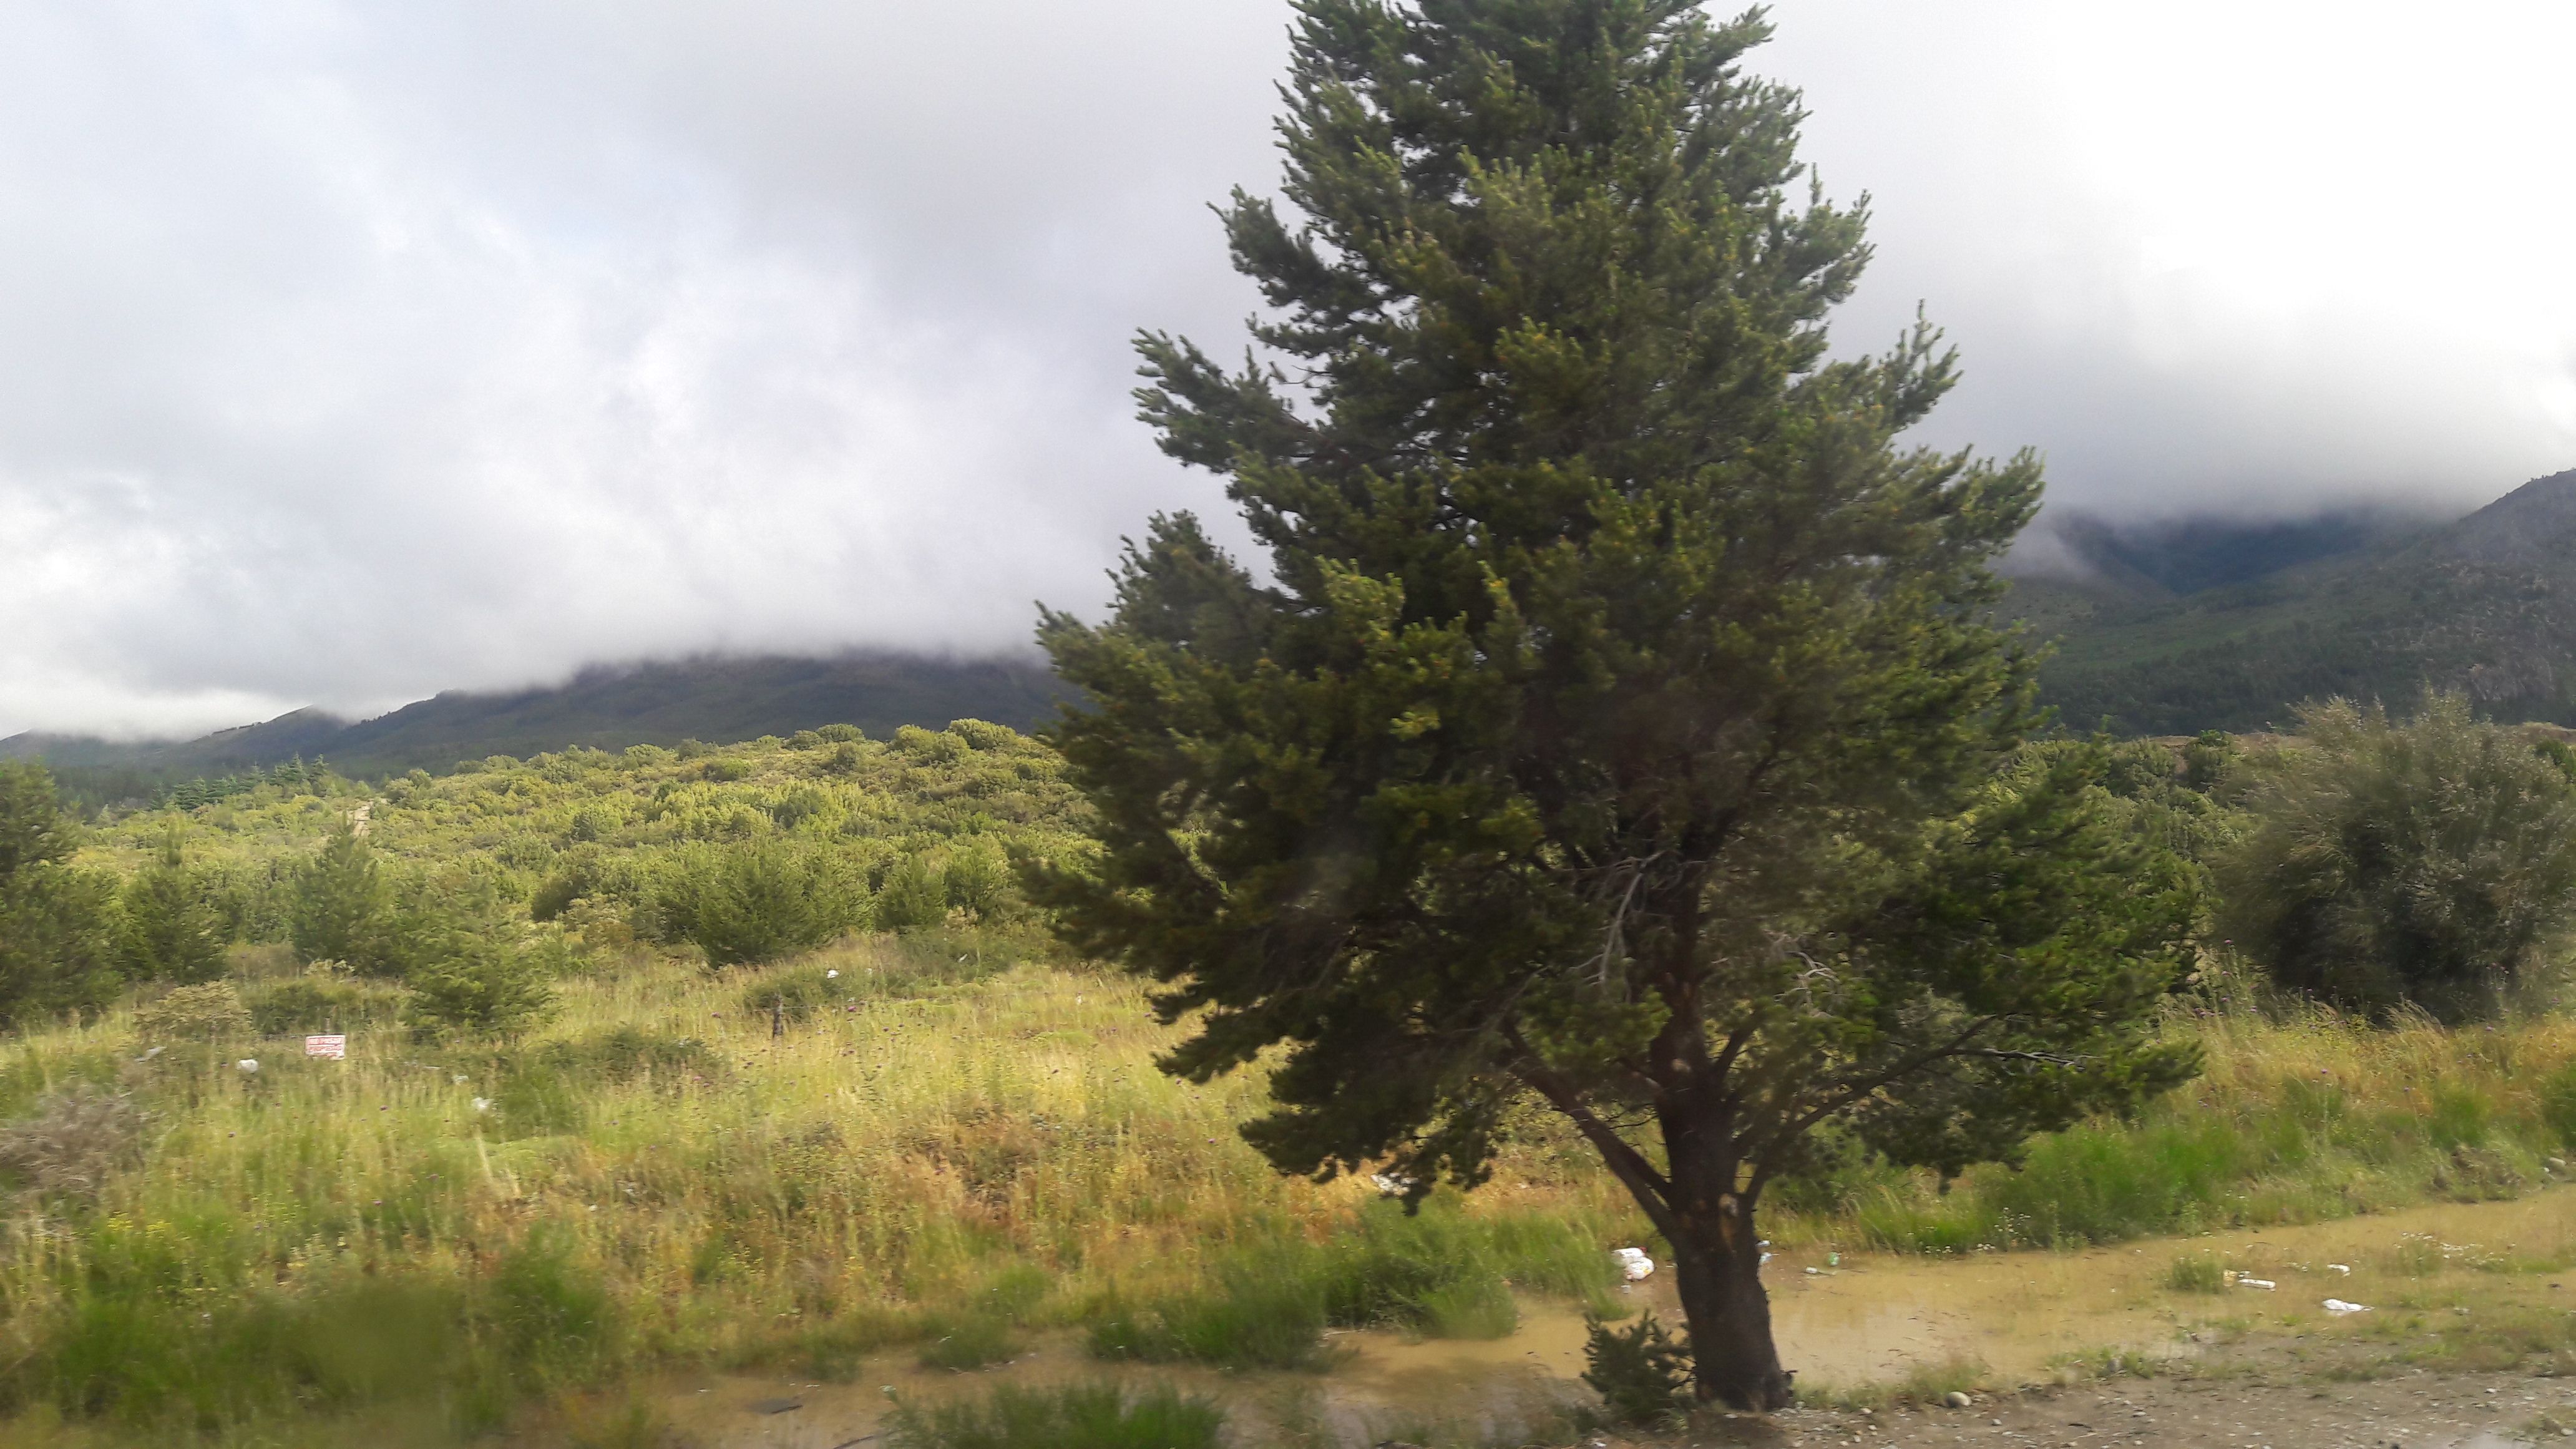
<point>1439,1272</point>
<point>1082,1416</point>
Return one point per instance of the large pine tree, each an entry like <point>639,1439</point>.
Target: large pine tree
<point>1615,718</point>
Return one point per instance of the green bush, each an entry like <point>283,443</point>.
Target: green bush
<point>1095,1416</point>
<point>57,944</point>
<point>797,992</point>
<point>342,907</point>
<point>171,931</point>
<point>476,989</point>
<point>913,898</point>
<point>1641,1372</point>
<point>759,902</point>
<point>309,1004</point>
<point>2430,863</point>
<point>212,1012</point>
<point>2195,1273</point>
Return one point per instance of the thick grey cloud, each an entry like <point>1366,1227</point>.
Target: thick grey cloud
<point>352,352</point>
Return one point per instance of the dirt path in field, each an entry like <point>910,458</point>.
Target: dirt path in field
<point>2088,1348</point>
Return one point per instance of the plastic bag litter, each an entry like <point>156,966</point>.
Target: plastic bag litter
<point>1634,1265</point>
<point>2266,1284</point>
<point>2340,1270</point>
<point>247,1066</point>
<point>2337,1305</point>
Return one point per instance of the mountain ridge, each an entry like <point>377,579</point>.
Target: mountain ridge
<point>710,697</point>
<point>2484,605</point>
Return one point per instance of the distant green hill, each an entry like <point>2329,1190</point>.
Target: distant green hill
<point>2485,606</point>
<point>651,704</point>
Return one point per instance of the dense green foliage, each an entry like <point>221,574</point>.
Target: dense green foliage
<point>1641,1372</point>
<point>171,930</point>
<point>57,944</point>
<point>762,849</point>
<point>1615,718</point>
<point>2429,862</point>
<point>770,900</point>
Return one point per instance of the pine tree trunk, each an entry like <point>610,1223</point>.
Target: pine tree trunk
<point>1720,1280</point>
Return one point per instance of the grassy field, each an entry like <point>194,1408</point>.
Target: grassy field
<point>934,1143</point>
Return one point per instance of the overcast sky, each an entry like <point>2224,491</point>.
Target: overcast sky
<point>353,352</point>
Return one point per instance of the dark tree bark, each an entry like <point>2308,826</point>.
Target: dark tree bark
<point>1718,1270</point>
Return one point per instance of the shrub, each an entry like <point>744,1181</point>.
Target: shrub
<point>171,931</point>
<point>57,951</point>
<point>209,1013</point>
<point>2430,863</point>
<point>1641,1372</point>
<point>758,903</point>
<point>72,1143</point>
<point>341,906</point>
<point>914,897</point>
<point>2195,1273</point>
<point>796,993</point>
<point>321,1003</point>
<point>1082,1416</point>
<point>977,879</point>
<point>475,989</point>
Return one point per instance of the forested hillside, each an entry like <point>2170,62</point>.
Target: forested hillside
<point>609,708</point>
<point>2485,607</point>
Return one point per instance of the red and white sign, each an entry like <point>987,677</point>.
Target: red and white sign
<point>326,1046</point>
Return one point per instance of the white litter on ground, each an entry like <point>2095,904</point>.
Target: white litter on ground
<point>2266,1284</point>
<point>2343,1270</point>
<point>2337,1305</point>
<point>1390,1184</point>
<point>1634,1265</point>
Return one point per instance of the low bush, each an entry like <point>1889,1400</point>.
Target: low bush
<point>1641,1372</point>
<point>306,1005</point>
<point>2195,1273</point>
<point>212,1012</point>
<point>478,990</point>
<point>1082,1416</point>
<point>796,993</point>
<point>2426,864</point>
<point>759,902</point>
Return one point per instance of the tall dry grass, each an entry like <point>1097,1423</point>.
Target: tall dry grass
<point>656,1177</point>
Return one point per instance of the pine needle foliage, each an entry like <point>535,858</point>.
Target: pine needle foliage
<point>1615,717</point>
